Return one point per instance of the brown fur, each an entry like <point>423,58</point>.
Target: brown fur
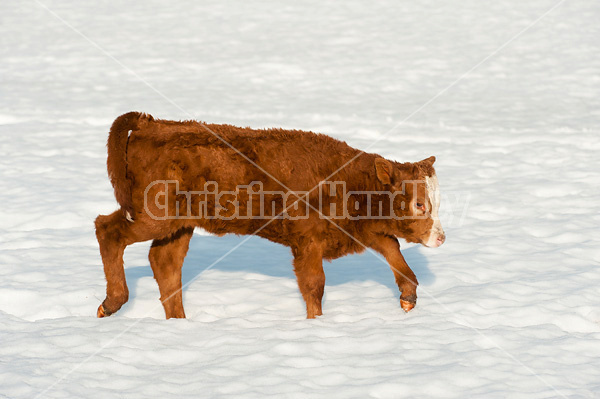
<point>189,154</point>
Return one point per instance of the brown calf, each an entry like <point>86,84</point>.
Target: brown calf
<point>170,177</point>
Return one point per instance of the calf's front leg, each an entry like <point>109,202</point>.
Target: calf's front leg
<point>407,282</point>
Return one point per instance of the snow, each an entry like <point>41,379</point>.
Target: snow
<point>508,306</point>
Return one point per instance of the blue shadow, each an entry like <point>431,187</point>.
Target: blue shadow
<point>258,255</point>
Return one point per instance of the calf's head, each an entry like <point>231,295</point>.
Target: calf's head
<point>418,201</point>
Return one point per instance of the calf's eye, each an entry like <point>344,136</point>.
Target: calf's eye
<point>419,205</point>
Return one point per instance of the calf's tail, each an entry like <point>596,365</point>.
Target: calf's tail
<point>118,138</point>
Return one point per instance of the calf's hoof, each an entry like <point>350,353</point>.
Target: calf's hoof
<point>408,303</point>
<point>407,306</point>
<point>103,311</point>
<point>111,304</point>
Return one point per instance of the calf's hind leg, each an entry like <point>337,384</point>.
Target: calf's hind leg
<point>114,234</point>
<point>308,265</point>
<point>166,258</point>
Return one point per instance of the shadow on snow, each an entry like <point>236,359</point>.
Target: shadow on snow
<point>258,255</point>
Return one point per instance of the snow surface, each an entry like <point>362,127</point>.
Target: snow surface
<point>508,307</point>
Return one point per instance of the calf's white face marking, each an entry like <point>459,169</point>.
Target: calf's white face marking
<point>437,232</point>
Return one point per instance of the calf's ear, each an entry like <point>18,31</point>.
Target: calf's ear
<point>384,170</point>
<point>429,160</point>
